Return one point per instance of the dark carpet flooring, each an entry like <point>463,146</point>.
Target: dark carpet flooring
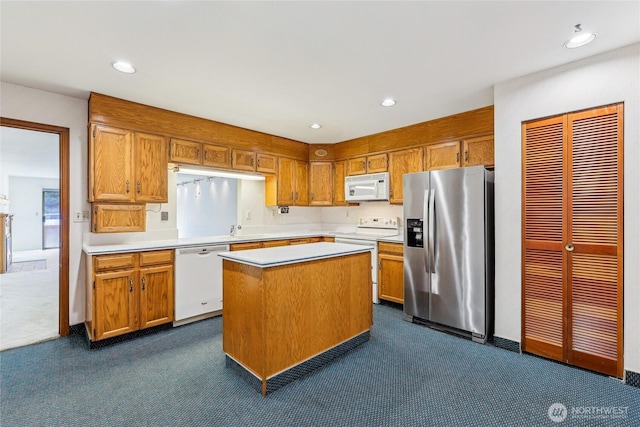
<point>406,375</point>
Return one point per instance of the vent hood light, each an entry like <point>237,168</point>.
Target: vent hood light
<point>315,126</point>
<point>124,67</point>
<point>580,38</point>
<point>389,102</point>
<point>219,174</point>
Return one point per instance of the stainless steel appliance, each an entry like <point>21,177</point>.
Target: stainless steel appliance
<point>448,250</point>
<point>369,187</point>
<point>368,231</point>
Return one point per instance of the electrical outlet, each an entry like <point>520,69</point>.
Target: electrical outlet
<point>77,216</point>
<point>164,216</point>
<point>273,213</point>
<point>347,214</point>
<point>85,216</point>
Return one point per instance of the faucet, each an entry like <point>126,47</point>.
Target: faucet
<point>232,232</point>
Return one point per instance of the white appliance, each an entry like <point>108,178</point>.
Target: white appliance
<point>369,230</point>
<point>198,284</point>
<point>367,187</point>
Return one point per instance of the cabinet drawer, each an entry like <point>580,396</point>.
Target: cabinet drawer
<point>392,248</point>
<point>274,243</point>
<point>243,246</point>
<point>156,257</point>
<point>113,262</point>
<point>298,241</point>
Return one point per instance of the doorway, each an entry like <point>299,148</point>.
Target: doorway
<point>61,230</point>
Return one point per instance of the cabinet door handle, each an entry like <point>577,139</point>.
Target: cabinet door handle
<point>127,184</point>
<point>296,195</point>
<point>466,155</point>
<point>252,159</point>
<point>205,154</point>
<point>364,165</point>
<point>144,282</point>
<point>458,157</point>
<point>369,164</point>
<point>138,187</point>
<point>130,284</point>
<point>292,195</point>
<point>197,152</point>
<point>258,162</point>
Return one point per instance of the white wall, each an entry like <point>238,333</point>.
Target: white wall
<point>603,79</point>
<point>26,206</point>
<point>18,102</point>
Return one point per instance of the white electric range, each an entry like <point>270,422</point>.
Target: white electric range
<point>369,230</point>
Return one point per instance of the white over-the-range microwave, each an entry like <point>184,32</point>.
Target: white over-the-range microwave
<point>369,187</point>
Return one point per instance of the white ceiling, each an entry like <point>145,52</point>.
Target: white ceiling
<point>276,67</point>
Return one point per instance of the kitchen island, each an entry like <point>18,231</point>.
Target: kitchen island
<point>289,310</point>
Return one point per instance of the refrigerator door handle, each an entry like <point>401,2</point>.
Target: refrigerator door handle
<point>432,231</point>
<point>425,216</point>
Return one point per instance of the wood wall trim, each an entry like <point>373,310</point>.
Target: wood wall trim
<point>63,278</point>
<point>117,112</point>
<point>464,125</point>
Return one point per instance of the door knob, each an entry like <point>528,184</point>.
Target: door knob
<point>569,247</point>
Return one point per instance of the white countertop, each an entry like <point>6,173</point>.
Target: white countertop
<point>210,241</point>
<point>282,255</point>
<point>398,238</point>
<point>193,242</point>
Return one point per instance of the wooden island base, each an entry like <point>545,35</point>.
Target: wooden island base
<point>281,322</point>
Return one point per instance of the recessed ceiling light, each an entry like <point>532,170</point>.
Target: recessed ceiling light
<point>124,67</point>
<point>580,39</point>
<point>315,126</point>
<point>388,102</point>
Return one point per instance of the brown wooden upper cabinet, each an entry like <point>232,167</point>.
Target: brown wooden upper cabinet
<point>455,154</point>
<point>478,151</point>
<point>339,173</point>
<point>401,162</point>
<point>442,156</point>
<point>266,163</point>
<point>368,164</point>
<point>199,153</point>
<point>243,160</point>
<point>321,184</point>
<point>290,186</point>
<point>126,166</point>
<point>216,156</point>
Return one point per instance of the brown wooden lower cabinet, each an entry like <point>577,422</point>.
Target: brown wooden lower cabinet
<point>391,272</point>
<point>128,292</point>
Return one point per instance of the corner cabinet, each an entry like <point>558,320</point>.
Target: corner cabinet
<point>391,272</point>
<point>128,292</point>
<point>126,166</point>
<point>290,186</point>
<point>320,183</point>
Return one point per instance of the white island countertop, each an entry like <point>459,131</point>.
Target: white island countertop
<point>282,255</point>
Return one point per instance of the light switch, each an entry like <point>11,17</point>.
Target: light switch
<point>247,215</point>
<point>164,216</point>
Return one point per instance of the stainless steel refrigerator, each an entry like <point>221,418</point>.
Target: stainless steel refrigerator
<point>448,250</point>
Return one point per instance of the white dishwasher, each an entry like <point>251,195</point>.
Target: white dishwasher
<point>198,285</point>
